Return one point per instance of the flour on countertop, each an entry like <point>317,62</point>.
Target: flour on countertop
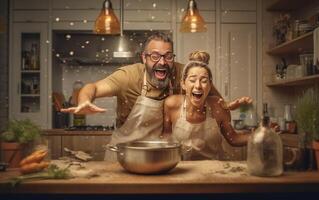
<point>210,169</point>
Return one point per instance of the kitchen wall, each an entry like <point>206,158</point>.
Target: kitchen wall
<point>4,78</point>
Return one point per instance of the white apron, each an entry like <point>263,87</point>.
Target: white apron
<point>145,122</point>
<point>204,138</point>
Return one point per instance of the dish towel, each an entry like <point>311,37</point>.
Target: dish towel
<point>316,46</point>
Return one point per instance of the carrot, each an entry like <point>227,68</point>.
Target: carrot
<point>35,157</point>
<point>34,167</point>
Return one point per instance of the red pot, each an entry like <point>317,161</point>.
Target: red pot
<point>11,153</point>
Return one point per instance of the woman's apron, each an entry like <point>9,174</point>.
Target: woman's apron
<point>145,122</point>
<point>204,138</point>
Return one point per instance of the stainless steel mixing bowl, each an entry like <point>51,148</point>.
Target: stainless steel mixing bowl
<point>148,157</point>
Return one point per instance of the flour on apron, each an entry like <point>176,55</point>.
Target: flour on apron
<point>204,138</point>
<point>145,122</point>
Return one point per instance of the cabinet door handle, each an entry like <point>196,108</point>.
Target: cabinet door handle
<point>226,88</point>
<point>18,88</point>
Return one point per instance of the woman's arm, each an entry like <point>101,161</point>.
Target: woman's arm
<point>233,105</point>
<point>223,119</point>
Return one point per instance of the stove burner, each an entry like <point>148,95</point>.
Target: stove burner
<point>90,128</point>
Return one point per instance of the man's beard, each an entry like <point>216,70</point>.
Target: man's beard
<point>155,82</point>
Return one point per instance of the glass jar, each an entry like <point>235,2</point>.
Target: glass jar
<point>265,151</point>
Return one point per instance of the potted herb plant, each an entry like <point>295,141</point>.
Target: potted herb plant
<point>17,135</point>
<point>307,117</point>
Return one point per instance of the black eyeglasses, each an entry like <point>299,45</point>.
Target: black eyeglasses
<point>155,57</point>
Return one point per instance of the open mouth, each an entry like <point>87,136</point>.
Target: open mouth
<point>160,73</point>
<point>197,95</point>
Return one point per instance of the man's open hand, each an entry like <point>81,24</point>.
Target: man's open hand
<point>85,108</point>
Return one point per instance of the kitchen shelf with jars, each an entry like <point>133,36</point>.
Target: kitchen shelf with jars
<point>29,73</point>
<point>294,68</point>
<point>288,5</point>
<point>295,44</point>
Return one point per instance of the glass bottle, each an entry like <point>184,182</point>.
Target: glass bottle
<point>290,124</point>
<point>251,118</point>
<point>34,58</point>
<point>265,110</point>
<point>265,151</point>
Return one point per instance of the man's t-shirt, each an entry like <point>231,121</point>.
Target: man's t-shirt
<point>127,82</point>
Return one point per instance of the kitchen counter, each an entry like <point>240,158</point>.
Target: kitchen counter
<point>189,177</point>
<point>63,132</point>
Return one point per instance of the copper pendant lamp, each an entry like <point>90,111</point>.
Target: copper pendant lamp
<point>192,22</point>
<point>107,22</point>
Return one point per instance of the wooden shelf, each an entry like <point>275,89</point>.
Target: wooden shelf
<point>288,5</point>
<point>30,95</point>
<point>307,80</point>
<point>298,45</point>
<point>30,71</point>
<point>62,132</point>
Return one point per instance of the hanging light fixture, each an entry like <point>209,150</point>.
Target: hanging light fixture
<point>107,22</point>
<point>192,21</point>
<point>125,48</point>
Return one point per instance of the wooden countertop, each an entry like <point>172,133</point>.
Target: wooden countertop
<point>63,132</point>
<point>189,177</point>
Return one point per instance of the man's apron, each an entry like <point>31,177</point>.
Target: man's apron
<point>145,122</point>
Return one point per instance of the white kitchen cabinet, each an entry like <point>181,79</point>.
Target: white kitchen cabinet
<point>235,5</point>
<point>238,60</point>
<point>237,75</point>
<point>31,4</point>
<point>204,41</point>
<point>28,72</point>
<point>138,15</point>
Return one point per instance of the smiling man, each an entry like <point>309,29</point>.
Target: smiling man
<point>140,90</point>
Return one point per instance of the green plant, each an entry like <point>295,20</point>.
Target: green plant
<point>21,131</point>
<point>307,113</point>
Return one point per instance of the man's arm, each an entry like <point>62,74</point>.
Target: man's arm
<point>104,88</point>
<point>95,90</point>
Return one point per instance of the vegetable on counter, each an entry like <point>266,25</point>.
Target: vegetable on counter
<point>35,157</point>
<point>34,167</point>
<point>34,162</point>
<point>53,172</point>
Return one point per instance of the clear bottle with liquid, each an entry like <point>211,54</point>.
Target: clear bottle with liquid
<point>265,151</point>
<point>34,57</point>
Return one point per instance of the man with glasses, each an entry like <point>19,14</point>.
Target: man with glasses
<point>140,90</point>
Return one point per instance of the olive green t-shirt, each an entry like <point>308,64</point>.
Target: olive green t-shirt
<point>126,83</point>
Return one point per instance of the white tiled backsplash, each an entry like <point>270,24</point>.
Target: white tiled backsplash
<point>88,74</point>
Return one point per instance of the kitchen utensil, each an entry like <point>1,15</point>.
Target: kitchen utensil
<point>79,154</point>
<point>147,157</point>
<point>58,100</point>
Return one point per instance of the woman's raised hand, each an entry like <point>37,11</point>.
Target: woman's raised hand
<point>85,108</point>
<point>233,105</point>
